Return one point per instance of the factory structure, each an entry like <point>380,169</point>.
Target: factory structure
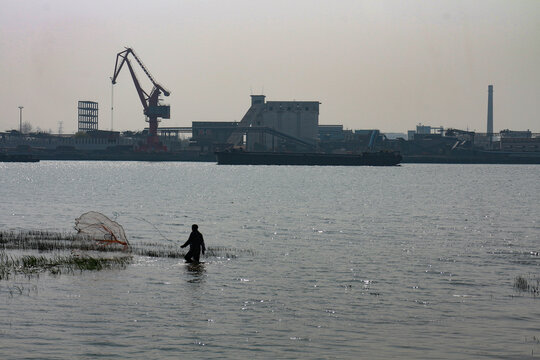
<point>281,126</point>
<point>273,126</point>
<point>88,116</point>
<point>266,126</point>
<point>428,142</point>
<point>294,120</point>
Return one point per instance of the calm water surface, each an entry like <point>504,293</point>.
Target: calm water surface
<point>415,262</point>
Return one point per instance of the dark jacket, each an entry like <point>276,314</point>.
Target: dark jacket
<point>195,242</point>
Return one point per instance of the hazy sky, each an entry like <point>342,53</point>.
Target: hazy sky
<point>380,64</point>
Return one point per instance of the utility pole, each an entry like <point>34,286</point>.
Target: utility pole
<point>112,103</point>
<point>20,118</point>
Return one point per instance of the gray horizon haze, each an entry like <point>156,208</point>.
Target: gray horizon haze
<point>385,65</point>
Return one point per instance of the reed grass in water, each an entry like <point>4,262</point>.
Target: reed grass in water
<point>45,241</point>
<point>48,242</point>
<point>530,285</point>
<point>29,265</point>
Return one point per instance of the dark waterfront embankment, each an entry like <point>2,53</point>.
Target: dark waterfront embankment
<point>374,158</point>
<point>128,156</point>
<point>34,155</point>
<point>485,157</point>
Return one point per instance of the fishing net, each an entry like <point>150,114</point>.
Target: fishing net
<point>96,226</point>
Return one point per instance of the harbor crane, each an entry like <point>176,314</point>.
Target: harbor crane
<point>150,102</point>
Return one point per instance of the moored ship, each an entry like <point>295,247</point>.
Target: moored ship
<point>238,157</point>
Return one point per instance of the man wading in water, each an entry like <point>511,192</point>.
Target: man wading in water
<point>196,243</point>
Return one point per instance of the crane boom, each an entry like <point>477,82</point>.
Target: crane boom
<point>150,102</point>
<point>165,91</point>
<point>143,96</point>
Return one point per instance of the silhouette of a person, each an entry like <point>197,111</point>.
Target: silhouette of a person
<point>196,244</point>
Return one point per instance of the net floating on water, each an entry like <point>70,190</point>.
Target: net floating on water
<point>98,227</point>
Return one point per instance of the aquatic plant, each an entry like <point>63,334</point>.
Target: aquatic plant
<point>85,254</point>
<point>46,241</point>
<point>18,289</point>
<point>50,241</point>
<point>79,247</point>
<point>522,284</point>
<point>171,251</point>
<point>29,265</point>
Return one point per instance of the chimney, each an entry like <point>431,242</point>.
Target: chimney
<point>490,111</point>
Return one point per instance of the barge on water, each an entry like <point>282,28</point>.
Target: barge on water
<point>238,157</point>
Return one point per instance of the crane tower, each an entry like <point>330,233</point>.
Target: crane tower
<point>150,102</point>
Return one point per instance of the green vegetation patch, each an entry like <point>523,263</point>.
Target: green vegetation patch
<point>29,265</point>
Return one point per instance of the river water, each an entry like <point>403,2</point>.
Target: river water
<point>416,262</point>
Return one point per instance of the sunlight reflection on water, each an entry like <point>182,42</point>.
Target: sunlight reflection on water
<point>416,261</point>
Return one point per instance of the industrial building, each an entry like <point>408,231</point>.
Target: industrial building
<point>268,126</point>
<point>278,125</point>
<point>331,133</point>
<point>88,116</point>
<point>209,136</point>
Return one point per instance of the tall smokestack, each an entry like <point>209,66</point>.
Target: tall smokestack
<point>490,111</point>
